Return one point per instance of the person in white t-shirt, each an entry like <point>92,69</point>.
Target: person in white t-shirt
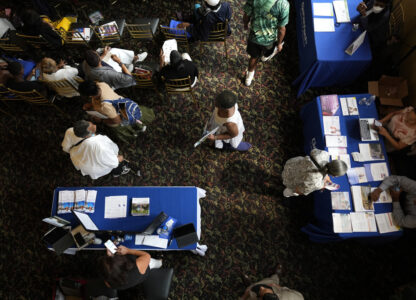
<point>226,116</point>
<point>51,71</point>
<point>94,155</point>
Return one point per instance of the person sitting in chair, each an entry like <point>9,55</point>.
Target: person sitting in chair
<point>180,66</point>
<point>95,155</point>
<point>206,16</point>
<point>19,83</point>
<point>51,71</point>
<point>126,268</point>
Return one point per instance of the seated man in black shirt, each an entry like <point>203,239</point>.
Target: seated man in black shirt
<point>180,67</point>
<point>18,83</point>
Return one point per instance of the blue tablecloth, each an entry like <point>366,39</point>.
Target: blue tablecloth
<point>313,130</point>
<point>322,58</point>
<point>180,203</point>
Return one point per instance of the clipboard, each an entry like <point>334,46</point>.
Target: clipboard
<point>206,136</point>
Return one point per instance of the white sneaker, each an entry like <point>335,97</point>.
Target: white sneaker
<point>155,263</point>
<point>141,56</point>
<point>219,144</point>
<point>249,77</point>
<point>263,58</point>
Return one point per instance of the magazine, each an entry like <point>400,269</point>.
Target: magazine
<point>140,206</point>
<point>363,222</point>
<point>361,198</point>
<point>331,125</point>
<point>340,200</point>
<point>329,105</point>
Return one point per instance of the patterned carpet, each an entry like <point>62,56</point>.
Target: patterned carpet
<point>246,223</point>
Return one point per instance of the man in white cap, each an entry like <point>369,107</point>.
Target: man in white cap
<point>206,16</point>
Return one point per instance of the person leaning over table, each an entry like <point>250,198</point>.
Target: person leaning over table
<point>126,268</point>
<point>399,129</point>
<point>303,175</point>
<point>405,217</point>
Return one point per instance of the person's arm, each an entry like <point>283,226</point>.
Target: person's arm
<point>106,50</point>
<point>281,36</point>
<point>398,145</point>
<point>362,8</point>
<point>123,66</point>
<point>232,131</point>
<point>399,217</point>
<point>389,116</point>
<point>143,258</point>
<point>246,21</point>
<point>246,294</point>
<point>161,59</point>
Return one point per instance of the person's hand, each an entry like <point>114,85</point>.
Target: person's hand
<point>280,47</point>
<point>106,50</point>
<point>61,64</point>
<point>362,8</point>
<point>395,195</point>
<point>375,194</point>
<point>86,106</point>
<point>383,131</point>
<point>116,58</point>
<point>120,157</point>
<point>122,250</point>
<point>211,137</point>
<point>109,253</point>
<point>183,25</point>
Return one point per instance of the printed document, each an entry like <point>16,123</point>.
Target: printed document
<point>376,171</point>
<point>341,11</point>
<point>115,207</point>
<point>357,175</point>
<point>337,151</point>
<point>167,48</point>
<point>151,240</point>
<point>368,152</point>
<point>363,222</point>
<point>340,200</point>
<point>323,25</point>
<point>331,125</point>
<point>323,9</point>
<point>360,196</point>
<point>385,223</point>
<point>342,223</point>
<point>336,141</point>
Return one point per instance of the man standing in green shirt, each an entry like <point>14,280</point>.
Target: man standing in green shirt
<point>267,19</point>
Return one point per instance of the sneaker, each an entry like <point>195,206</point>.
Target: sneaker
<point>123,172</point>
<point>143,129</point>
<point>263,58</point>
<point>249,78</point>
<point>142,56</point>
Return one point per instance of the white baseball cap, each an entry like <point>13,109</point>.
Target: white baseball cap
<point>212,2</point>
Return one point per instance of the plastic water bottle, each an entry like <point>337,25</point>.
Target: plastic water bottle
<point>370,100</point>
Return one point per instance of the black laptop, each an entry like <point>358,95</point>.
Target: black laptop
<point>185,235</point>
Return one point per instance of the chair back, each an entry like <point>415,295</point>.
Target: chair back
<point>65,87</point>
<point>7,46</point>
<point>107,34</point>
<point>178,86</point>
<point>158,283</point>
<point>144,81</point>
<point>7,95</point>
<point>218,32</point>
<point>178,34</point>
<point>36,41</point>
<point>73,38</point>
<point>32,97</point>
<point>396,21</point>
<point>140,31</point>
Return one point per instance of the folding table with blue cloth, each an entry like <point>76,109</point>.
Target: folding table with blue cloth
<point>322,58</point>
<point>321,230</point>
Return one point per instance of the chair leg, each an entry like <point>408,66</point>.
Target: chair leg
<point>193,96</point>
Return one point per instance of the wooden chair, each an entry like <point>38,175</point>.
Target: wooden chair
<point>396,21</point>
<point>179,86</point>
<point>65,87</point>
<point>144,81</point>
<point>34,97</point>
<point>178,34</point>
<point>218,34</point>
<point>74,38</point>
<point>36,41</point>
<point>143,29</point>
<point>6,95</point>
<point>9,47</point>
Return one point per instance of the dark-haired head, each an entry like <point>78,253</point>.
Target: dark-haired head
<point>336,168</point>
<point>114,269</point>
<point>15,68</point>
<point>88,88</point>
<point>92,58</point>
<point>83,129</point>
<point>226,99</point>
<point>176,59</point>
<point>30,17</point>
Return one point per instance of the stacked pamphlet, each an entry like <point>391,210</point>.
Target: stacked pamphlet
<point>368,152</point>
<point>368,173</point>
<point>140,206</point>
<point>340,200</point>
<point>81,200</point>
<point>385,223</point>
<point>349,106</point>
<point>361,198</point>
<point>363,222</point>
<point>329,105</point>
<point>331,125</point>
<point>342,223</point>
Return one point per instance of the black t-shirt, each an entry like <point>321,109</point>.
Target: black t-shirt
<point>26,86</point>
<point>189,69</point>
<point>134,277</point>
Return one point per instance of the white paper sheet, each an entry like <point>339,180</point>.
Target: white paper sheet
<point>356,44</point>
<point>323,9</point>
<point>379,171</point>
<point>167,48</point>
<point>337,150</point>
<point>331,125</point>
<point>90,202</point>
<point>336,141</point>
<point>344,106</point>
<point>340,200</point>
<point>323,25</point>
<point>342,223</point>
<point>370,151</point>
<point>360,198</point>
<point>341,11</point>
<point>363,222</point>
<point>79,200</point>
<point>357,175</point>
<point>385,223</point>
<point>151,240</point>
<point>96,114</point>
<point>65,202</point>
<point>352,106</point>
<point>115,207</point>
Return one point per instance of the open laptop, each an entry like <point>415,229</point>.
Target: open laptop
<point>366,130</point>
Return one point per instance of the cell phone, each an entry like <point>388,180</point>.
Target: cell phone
<point>110,246</point>
<point>122,105</point>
